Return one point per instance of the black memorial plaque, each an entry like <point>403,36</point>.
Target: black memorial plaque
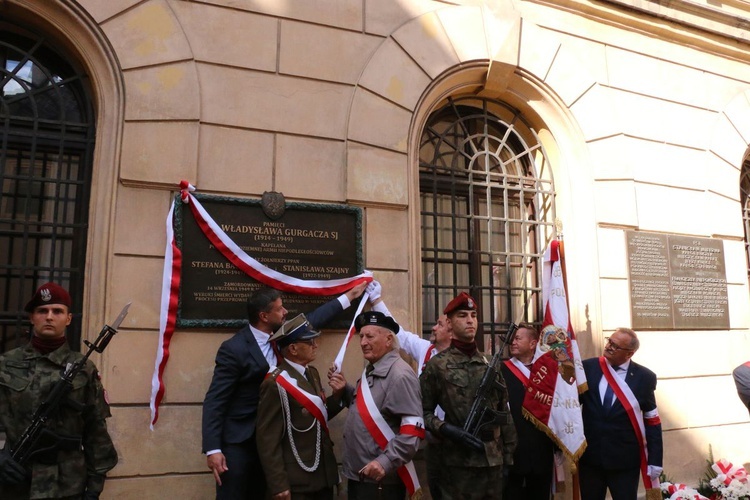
<point>309,241</point>
<point>677,282</point>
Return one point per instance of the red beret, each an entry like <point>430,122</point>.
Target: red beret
<point>463,301</point>
<point>49,293</point>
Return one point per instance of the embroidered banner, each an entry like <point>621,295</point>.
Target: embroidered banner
<point>557,376</point>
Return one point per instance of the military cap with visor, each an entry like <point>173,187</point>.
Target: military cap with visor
<point>294,330</point>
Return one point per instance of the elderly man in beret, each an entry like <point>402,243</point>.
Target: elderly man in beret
<point>75,464</point>
<point>384,424</point>
<point>293,442</point>
<point>472,467</point>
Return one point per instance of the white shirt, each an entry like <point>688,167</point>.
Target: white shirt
<point>622,372</point>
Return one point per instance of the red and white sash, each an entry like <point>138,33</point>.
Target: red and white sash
<point>519,370</point>
<point>382,433</point>
<point>625,396</point>
<point>312,403</point>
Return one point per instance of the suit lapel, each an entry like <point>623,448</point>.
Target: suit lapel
<point>253,348</point>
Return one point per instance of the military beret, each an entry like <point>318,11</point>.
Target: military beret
<point>294,330</point>
<point>463,301</point>
<point>375,318</point>
<point>49,293</point>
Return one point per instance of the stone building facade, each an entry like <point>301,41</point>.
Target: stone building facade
<point>631,116</point>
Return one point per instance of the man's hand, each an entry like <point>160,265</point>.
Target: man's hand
<point>217,462</point>
<point>373,471</point>
<point>11,472</point>
<point>91,495</point>
<point>284,495</point>
<point>356,292</point>
<point>375,291</point>
<point>337,382</point>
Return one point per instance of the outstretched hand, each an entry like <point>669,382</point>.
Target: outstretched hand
<point>356,292</point>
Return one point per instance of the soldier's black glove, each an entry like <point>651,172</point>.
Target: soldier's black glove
<point>91,495</point>
<point>460,436</point>
<point>11,472</point>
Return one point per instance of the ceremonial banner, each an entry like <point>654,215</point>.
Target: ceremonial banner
<point>238,257</point>
<point>557,377</point>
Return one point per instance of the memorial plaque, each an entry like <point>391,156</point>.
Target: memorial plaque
<point>309,241</point>
<point>677,282</point>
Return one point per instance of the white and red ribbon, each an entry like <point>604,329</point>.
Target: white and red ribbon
<point>726,472</point>
<point>338,363</point>
<point>382,433</point>
<point>312,403</point>
<point>676,491</point>
<point>625,396</point>
<point>219,239</point>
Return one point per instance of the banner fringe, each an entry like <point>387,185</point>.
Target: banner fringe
<point>575,456</point>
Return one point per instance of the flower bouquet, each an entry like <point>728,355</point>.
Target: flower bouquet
<point>725,481</point>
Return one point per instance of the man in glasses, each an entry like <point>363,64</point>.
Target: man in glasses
<point>292,428</point>
<point>619,415</point>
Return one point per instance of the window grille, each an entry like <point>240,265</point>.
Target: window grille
<point>487,209</point>
<point>46,147</point>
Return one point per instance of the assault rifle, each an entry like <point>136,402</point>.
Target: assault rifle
<point>481,413</point>
<point>37,440</point>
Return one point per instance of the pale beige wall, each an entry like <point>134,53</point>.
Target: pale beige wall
<point>234,95</point>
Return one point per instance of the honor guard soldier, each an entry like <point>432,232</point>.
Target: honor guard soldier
<point>79,450</point>
<point>472,467</point>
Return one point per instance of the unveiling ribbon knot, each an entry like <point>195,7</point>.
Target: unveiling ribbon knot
<point>185,189</point>
<point>726,472</point>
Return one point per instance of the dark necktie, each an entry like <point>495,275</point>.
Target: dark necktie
<point>308,376</point>
<point>609,394</point>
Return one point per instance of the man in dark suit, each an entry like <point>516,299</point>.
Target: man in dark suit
<point>293,442</point>
<point>613,456</point>
<point>231,404</point>
<point>530,476</point>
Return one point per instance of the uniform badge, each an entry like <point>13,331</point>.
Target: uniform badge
<point>45,294</point>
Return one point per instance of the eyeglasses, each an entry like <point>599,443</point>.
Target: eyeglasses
<point>614,346</point>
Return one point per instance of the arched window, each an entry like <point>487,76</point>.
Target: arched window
<point>745,200</point>
<point>487,207</point>
<point>47,135</point>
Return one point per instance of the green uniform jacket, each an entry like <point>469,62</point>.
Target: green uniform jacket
<point>274,446</point>
<point>450,380</point>
<point>26,377</point>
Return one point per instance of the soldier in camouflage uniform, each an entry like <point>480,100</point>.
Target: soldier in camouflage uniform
<point>76,467</point>
<point>471,468</point>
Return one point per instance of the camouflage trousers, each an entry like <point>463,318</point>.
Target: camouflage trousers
<point>471,483</point>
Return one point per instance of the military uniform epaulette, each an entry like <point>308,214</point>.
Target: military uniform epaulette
<point>275,373</point>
